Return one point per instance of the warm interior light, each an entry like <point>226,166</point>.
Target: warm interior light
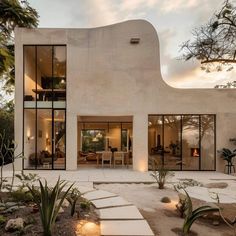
<point>95,139</point>
<point>99,135</point>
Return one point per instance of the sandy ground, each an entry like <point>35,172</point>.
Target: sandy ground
<point>162,217</point>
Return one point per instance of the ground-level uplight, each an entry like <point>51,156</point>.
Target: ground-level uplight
<point>87,228</point>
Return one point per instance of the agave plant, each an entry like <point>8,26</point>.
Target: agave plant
<point>46,200</point>
<point>192,215</point>
<point>228,156</point>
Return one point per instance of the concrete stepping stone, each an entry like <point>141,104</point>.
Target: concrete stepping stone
<point>110,202</point>
<point>120,213</point>
<point>84,189</point>
<point>98,194</point>
<point>125,227</point>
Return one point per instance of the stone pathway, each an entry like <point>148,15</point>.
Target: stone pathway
<point>117,216</point>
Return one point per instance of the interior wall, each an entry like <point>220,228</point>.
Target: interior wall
<point>46,127</point>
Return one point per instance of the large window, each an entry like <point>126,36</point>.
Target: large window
<point>182,142</point>
<point>44,106</point>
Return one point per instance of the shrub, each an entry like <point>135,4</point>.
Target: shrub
<point>21,195</point>
<point>46,201</point>
<point>161,175</point>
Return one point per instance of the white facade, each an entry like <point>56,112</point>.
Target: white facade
<point>109,76</point>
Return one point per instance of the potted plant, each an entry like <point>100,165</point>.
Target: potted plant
<point>228,156</point>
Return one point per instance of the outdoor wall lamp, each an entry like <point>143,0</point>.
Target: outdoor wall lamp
<point>134,40</point>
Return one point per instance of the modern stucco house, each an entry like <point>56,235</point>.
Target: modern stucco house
<point>81,90</point>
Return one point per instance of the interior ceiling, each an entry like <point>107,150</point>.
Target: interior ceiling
<point>105,118</point>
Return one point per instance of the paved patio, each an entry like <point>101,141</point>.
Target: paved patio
<point>95,176</point>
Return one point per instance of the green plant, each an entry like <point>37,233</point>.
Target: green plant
<point>228,156</point>
<point>27,180</point>
<point>160,175</point>
<point>192,215</point>
<point>184,183</point>
<point>21,195</point>
<point>72,198</point>
<point>3,219</point>
<point>46,200</point>
<point>85,205</point>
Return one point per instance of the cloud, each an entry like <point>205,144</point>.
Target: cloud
<point>172,6</point>
<point>131,5</point>
<point>105,12</point>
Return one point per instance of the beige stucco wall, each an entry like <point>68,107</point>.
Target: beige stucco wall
<point>106,75</point>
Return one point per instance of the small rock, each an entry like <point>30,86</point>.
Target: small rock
<point>10,204</point>
<point>165,200</point>
<point>65,203</point>
<point>11,209</point>
<point>2,208</point>
<point>215,223</point>
<point>61,210</point>
<point>15,224</point>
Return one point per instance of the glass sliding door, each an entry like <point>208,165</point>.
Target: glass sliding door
<point>182,142</point>
<point>172,142</point>
<point>207,142</point>
<point>190,142</point>
<point>155,144</point>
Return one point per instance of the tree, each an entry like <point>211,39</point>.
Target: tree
<point>227,85</point>
<point>214,44</point>
<point>12,13</point>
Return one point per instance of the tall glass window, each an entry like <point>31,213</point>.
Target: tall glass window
<point>182,142</point>
<point>44,106</point>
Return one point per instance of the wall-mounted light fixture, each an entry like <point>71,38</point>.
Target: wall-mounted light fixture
<point>135,40</point>
<point>30,137</point>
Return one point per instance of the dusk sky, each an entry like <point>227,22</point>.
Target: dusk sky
<point>173,19</point>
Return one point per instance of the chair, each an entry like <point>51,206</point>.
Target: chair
<point>106,156</point>
<point>118,156</point>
